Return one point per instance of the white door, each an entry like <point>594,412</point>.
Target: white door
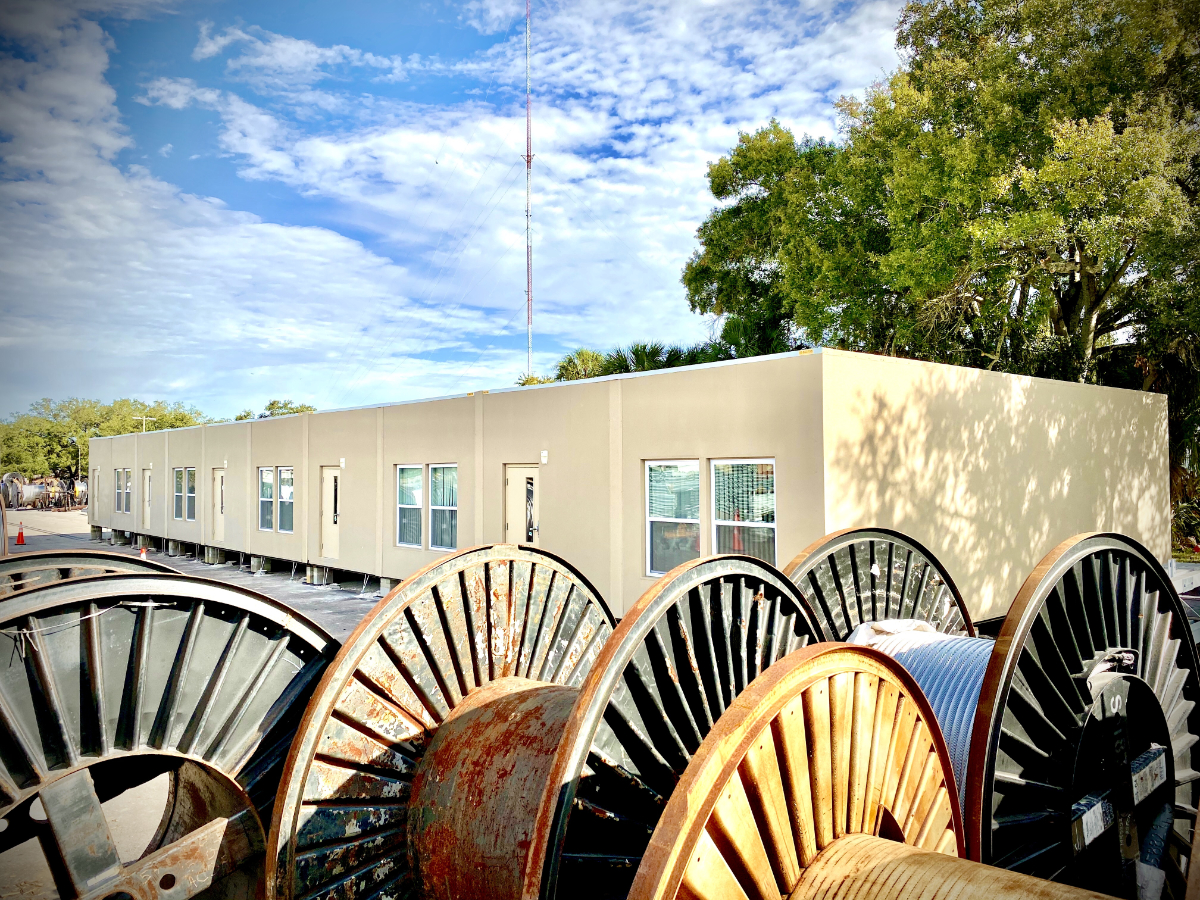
<point>521,505</point>
<point>146,473</point>
<point>330,476</point>
<point>218,502</point>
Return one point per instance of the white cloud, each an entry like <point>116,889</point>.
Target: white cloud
<point>210,45</point>
<point>276,63</point>
<point>182,296</point>
<point>491,16</point>
<point>631,101</point>
<point>154,292</point>
<point>165,149</point>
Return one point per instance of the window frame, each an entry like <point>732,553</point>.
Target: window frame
<point>119,485</point>
<point>712,499</point>
<point>190,491</point>
<point>698,521</point>
<point>420,467</point>
<point>179,485</point>
<point>270,501</point>
<point>128,491</point>
<point>279,501</point>
<point>432,466</point>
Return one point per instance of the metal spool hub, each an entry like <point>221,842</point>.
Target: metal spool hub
<point>27,570</point>
<point>573,781</point>
<point>870,574</point>
<point>109,682</point>
<point>827,778</point>
<point>1086,723</point>
<point>486,616</point>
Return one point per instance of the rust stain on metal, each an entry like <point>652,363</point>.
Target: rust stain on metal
<point>477,790</point>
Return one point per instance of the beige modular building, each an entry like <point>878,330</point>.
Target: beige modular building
<point>629,475</point>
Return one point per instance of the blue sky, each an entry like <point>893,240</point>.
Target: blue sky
<point>222,203</point>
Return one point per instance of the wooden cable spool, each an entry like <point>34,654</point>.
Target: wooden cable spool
<point>542,791</point>
<point>26,570</point>
<point>483,616</point>
<point>826,778</point>
<point>109,682</point>
<point>1072,733</point>
<point>869,574</point>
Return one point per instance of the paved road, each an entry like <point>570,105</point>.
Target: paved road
<point>336,608</point>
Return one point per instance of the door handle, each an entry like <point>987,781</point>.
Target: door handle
<point>335,518</point>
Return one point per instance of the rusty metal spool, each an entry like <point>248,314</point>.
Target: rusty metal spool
<point>26,570</point>
<point>870,574</point>
<point>107,683</point>
<point>542,791</point>
<point>494,615</point>
<point>827,778</point>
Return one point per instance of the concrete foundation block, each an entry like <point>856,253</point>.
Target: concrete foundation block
<point>174,548</point>
<point>259,565</point>
<point>386,585</point>
<point>144,541</point>
<point>214,556</point>
<point>97,532</point>
<point>120,538</point>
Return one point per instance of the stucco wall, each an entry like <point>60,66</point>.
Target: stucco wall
<point>769,408</point>
<point>990,471</point>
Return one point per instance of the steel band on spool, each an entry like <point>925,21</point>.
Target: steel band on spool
<point>950,673</point>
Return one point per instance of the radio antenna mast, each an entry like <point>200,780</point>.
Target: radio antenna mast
<point>528,204</point>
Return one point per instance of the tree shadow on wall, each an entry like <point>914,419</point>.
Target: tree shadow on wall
<point>990,472</point>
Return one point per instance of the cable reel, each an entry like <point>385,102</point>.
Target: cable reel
<point>1071,735</point>
<point>870,574</point>
<point>789,796</point>
<point>27,570</point>
<point>107,683</point>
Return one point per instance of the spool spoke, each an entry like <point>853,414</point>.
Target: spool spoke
<point>747,821</point>
<point>25,571</point>
<point>867,575</point>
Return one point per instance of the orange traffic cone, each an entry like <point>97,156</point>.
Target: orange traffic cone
<point>143,553</point>
<point>21,534</point>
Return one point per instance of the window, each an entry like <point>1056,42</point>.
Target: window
<point>120,490</point>
<point>443,507</point>
<point>128,488</point>
<point>179,493</point>
<point>672,514</point>
<point>266,499</point>
<point>408,505</point>
<point>191,494</point>
<point>286,499</point>
<point>744,507</point>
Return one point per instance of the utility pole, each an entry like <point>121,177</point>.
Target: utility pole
<point>143,420</point>
<point>528,203</point>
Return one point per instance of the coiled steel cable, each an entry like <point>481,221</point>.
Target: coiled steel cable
<point>949,670</point>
